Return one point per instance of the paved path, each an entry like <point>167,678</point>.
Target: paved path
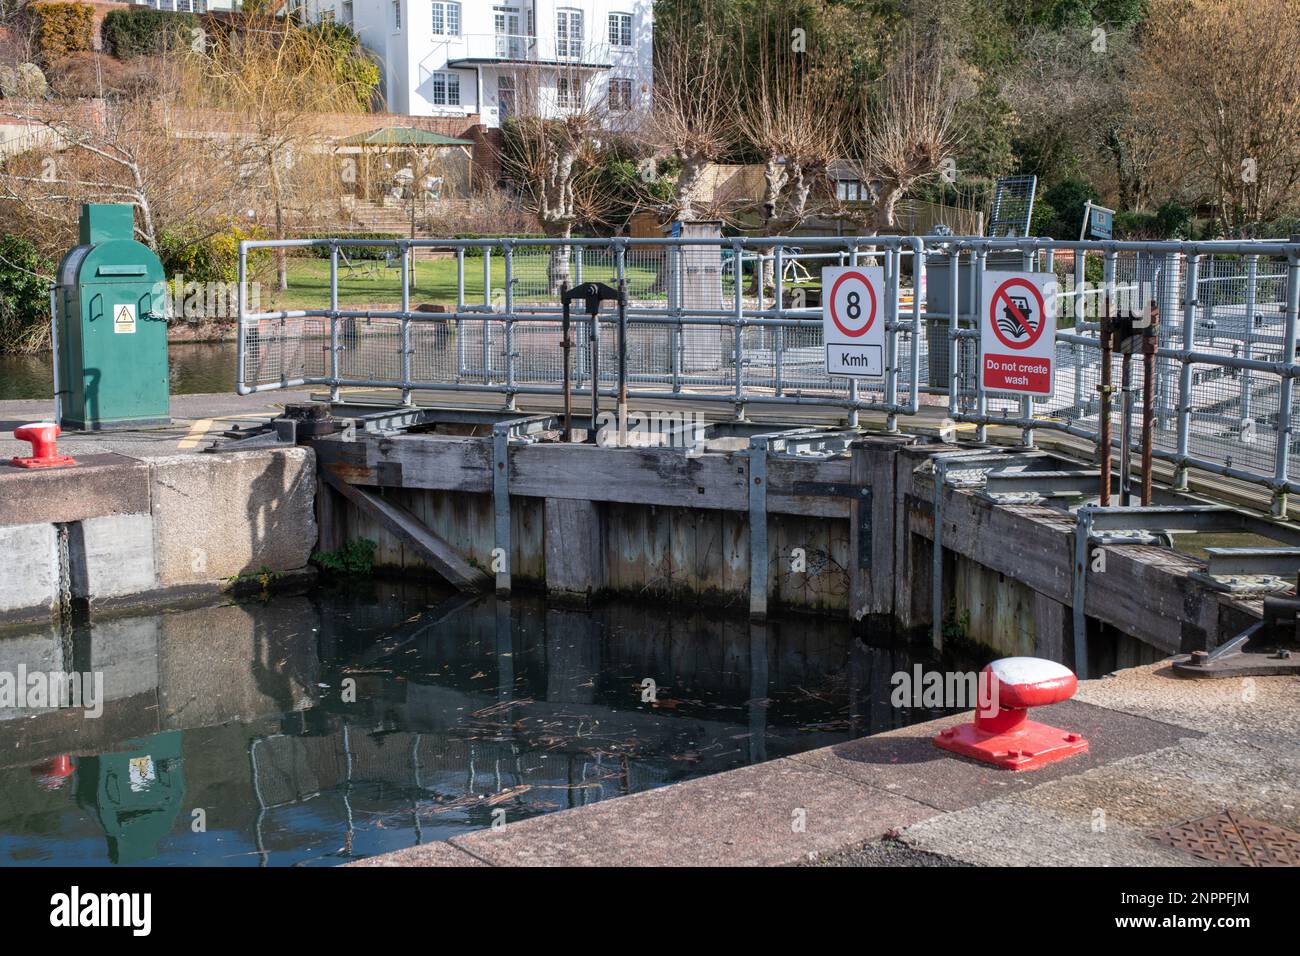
<point>1163,750</point>
<point>196,420</point>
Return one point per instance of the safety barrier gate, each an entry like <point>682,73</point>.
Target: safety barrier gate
<point>737,322</point>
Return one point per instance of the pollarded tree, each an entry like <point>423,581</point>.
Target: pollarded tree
<point>552,146</point>
<point>791,115</point>
<point>908,128</point>
<point>693,117</point>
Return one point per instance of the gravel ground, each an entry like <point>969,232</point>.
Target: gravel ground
<point>884,852</point>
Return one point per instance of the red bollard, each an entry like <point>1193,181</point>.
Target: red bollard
<point>45,452</point>
<point>1007,738</point>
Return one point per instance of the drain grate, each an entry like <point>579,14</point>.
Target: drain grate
<point>1234,838</point>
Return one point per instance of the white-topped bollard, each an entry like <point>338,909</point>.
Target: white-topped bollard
<point>1002,733</point>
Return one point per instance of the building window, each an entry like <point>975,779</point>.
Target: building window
<point>848,190</point>
<point>446,19</point>
<point>444,89</point>
<point>620,29</point>
<point>620,94</point>
<point>568,33</point>
<point>568,91</point>
<point>506,96</point>
<point>347,13</point>
<point>397,14</point>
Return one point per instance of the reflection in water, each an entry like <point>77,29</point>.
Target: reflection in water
<point>195,368</point>
<point>324,727</point>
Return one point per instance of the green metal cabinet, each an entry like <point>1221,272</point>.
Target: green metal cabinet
<point>111,323</point>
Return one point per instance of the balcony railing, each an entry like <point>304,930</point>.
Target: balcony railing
<point>517,48</point>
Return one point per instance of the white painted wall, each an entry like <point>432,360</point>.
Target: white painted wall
<point>415,60</point>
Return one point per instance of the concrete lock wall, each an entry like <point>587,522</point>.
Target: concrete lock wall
<point>140,531</point>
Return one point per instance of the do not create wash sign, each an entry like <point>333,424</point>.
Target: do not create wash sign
<point>1018,333</point>
<point>853,320</point>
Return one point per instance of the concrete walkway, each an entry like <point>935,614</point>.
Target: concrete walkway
<point>1163,750</point>
<point>196,421</point>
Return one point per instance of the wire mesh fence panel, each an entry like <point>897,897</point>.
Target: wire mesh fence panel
<point>278,350</point>
<point>435,348</point>
<point>370,350</point>
<point>538,351</point>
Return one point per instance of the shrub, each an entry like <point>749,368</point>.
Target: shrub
<point>356,72</point>
<point>1068,198</point>
<point>22,82</point>
<point>353,252</point>
<point>25,277</point>
<point>1044,218</point>
<point>210,258</point>
<point>143,32</point>
<point>1170,221</point>
<point>63,28</point>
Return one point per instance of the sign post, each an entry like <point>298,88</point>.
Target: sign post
<point>853,320</point>
<point>1018,333</point>
<point>1098,222</point>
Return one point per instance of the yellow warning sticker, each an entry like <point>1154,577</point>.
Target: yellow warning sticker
<point>124,318</point>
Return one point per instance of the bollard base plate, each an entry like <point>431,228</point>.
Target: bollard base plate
<point>1028,747</point>
<point>58,461</point>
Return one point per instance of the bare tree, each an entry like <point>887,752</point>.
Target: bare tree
<point>908,129</point>
<point>115,149</point>
<point>1223,79</point>
<point>791,114</point>
<point>693,118</point>
<point>274,77</point>
<point>551,147</point>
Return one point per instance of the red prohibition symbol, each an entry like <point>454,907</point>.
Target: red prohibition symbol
<point>854,307</point>
<point>1013,317</point>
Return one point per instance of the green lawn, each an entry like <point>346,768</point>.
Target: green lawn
<point>434,281</point>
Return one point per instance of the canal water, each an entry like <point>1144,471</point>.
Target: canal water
<point>327,726</point>
<point>197,368</point>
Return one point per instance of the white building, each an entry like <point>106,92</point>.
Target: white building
<point>461,57</point>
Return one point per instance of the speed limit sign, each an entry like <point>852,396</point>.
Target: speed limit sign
<point>853,320</point>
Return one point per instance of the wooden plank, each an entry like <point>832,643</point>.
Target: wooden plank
<point>681,548</point>
<point>575,547</point>
<point>1052,627</point>
<point>735,554</point>
<point>708,572</point>
<point>658,562</point>
<point>585,472</point>
<point>625,554</point>
<point>528,539</point>
<point>871,590</point>
<point>401,523</point>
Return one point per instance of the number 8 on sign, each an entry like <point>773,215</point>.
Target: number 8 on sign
<point>853,320</point>
<point>853,303</point>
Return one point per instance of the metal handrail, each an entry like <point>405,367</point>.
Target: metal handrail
<point>766,347</point>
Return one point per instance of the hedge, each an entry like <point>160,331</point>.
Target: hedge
<point>144,32</point>
<point>24,302</point>
<point>63,28</point>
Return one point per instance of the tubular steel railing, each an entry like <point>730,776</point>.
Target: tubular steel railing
<point>737,322</point>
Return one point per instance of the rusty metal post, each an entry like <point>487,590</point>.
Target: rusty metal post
<point>622,363</point>
<point>1125,426</point>
<point>1104,387</point>
<point>1149,343</point>
<point>567,344</point>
